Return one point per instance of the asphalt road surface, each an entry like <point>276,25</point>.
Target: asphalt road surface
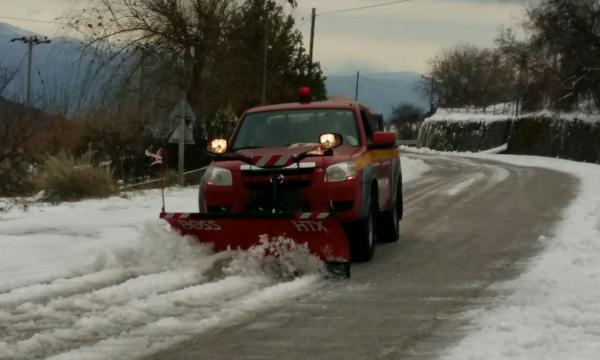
<point>467,224</point>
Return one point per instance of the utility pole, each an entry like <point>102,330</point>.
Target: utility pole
<point>265,58</point>
<point>312,36</point>
<point>141,80</point>
<point>431,90</point>
<point>30,41</point>
<point>182,127</point>
<point>357,83</point>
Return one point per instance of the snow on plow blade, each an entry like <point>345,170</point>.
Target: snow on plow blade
<point>323,235</point>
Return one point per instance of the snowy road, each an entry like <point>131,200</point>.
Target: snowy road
<point>106,280</point>
<point>468,224</point>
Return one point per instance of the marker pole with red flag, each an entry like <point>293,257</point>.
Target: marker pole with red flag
<point>162,179</point>
<point>158,160</point>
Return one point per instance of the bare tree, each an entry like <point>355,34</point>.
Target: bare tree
<point>407,118</point>
<point>7,75</point>
<point>470,76</point>
<point>212,52</point>
<point>568,33</point>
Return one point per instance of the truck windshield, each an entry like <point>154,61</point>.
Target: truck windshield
<point>290,127</point>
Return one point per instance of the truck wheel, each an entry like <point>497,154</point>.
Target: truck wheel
<point>363,236</point>
<point>390,220</point>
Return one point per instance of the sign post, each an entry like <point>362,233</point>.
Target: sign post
<point>184,117</point>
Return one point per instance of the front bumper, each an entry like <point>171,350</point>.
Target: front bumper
<point>304,191</point>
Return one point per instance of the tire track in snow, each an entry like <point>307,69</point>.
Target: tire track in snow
<point>491,175</point>
<point>96,283</point>
<point>64,311</point>
<point>88,328</point>
<point>167,332</point>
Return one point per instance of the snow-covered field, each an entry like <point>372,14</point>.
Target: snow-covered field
<point>106,279</point>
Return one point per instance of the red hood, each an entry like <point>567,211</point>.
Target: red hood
<point>283,156</point>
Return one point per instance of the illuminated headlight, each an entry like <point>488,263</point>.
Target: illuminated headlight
<point>218,176</point>
<point>341,172</point>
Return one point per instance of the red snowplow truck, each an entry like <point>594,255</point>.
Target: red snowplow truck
<point>320,173</point>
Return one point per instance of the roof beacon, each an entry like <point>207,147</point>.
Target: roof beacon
<point>305,95</point>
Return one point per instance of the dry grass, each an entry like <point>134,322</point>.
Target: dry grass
<point>66,178</point>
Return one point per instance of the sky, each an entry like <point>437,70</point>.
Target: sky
<point>400,37</point>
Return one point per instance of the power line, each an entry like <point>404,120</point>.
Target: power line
<point>363,7</point>
<point>32,20</point>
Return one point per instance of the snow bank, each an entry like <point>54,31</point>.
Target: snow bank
<point>412,168</point>
<point>586,117</point>
<point>497,150</point>
<point>552,310</point>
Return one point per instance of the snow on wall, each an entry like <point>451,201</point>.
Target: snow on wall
<point>466,115</point>
<point>571,135</point>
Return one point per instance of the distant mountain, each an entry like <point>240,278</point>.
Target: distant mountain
<point>62,71</point>
<point>65,78</point>
<point>380,91</point>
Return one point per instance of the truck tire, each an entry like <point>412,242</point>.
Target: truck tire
<point>363,235</point>
<point>389,222</point>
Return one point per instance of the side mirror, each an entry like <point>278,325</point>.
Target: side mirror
<point>383,140</point>
<point>330,141</point>
<point>217,146</point>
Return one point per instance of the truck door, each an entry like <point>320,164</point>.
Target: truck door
<point>383,166</point>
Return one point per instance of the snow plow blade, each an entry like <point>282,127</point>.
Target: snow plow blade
<point>323,235</point>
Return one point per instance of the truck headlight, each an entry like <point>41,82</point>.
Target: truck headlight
<point>218,176</point>
<point>341,172</point>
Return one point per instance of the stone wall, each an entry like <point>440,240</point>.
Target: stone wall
<point>568,137</point>
<point>463,135</point>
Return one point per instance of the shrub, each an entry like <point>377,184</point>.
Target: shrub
<point>66,178</point>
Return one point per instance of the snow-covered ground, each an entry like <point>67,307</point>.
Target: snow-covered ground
<point>106,279</point>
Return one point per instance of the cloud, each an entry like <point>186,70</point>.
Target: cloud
<point>394,38</point>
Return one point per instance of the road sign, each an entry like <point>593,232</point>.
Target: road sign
<point>184,117</point>
<point>188,136</point>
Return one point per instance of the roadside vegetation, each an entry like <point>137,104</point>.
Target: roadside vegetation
<point>63,177</point>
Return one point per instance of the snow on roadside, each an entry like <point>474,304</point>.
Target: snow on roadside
<point>45,242</point>
<point>552,310</point>
<point>497,150</point>
<point>412,168</point>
